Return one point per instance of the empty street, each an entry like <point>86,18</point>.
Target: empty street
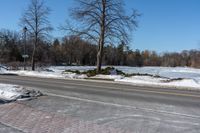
<point>127,107</point>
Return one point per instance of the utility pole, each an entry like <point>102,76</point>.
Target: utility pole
<point>25,56</point>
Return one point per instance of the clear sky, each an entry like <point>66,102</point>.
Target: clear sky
<point>165,25</point>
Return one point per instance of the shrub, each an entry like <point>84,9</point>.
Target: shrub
<point>72,71</point>
<point>106,71</point>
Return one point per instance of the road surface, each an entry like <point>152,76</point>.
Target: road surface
<point>131,108</point>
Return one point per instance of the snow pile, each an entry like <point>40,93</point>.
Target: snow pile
<point>12,92</point>
<point>42,74</point>
<point>71,75</point>
<point>2,69</point>
<point>113,77</point>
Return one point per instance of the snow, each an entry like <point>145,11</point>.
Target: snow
<point>158,76</point>
<point>63,68</point>
<point>147,80</point>
<point>190,76</point>
<point>169,72</point>
<point>74,75</point>
<point>10,92</point>
<point>2,69</point>
<point>114,77</point>
<point>47,74</point>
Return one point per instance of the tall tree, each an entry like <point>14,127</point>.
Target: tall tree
<point>103,21</point>
<point>35,18</point>
<point>56,53</point>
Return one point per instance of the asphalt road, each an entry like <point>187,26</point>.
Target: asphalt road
<point>142,109</point>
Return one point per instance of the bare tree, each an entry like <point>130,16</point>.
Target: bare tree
<point>35,18</point>
<point>102,21</point>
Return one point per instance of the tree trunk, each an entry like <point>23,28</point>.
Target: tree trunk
<point>98,63</point>
<point>33,55</point>
<point>102,37</point>
<point>99,57</point>
<point>33,59</point>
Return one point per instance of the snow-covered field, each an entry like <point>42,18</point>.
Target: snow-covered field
<point>169,76</point>
<point>160,76</point>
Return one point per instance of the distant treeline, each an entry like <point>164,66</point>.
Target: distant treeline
<point>75,51</point>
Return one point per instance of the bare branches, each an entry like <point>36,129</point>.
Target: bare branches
<point>35,18</point>
<point>104,21</point>
<point>88,14</point>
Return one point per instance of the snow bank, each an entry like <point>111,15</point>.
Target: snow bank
<point>168,72</point>
<point>10,92</point>
<point>161,76</point>
<point>48,74</point>
<point>2,69</point>
<point>80,68</point>
<point>114,77</point>
<point>148,80</point>
<point>42,74</point>
<point>189,77</point>
<point>73,75</point>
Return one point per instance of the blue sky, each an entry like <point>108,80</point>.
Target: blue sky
<point>165,25</point>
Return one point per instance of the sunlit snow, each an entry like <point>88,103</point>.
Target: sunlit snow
<point>160,76</point>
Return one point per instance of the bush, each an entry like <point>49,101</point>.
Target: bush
<point>106,71</point>
<point>72,71</point>
<point>91,73</point>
